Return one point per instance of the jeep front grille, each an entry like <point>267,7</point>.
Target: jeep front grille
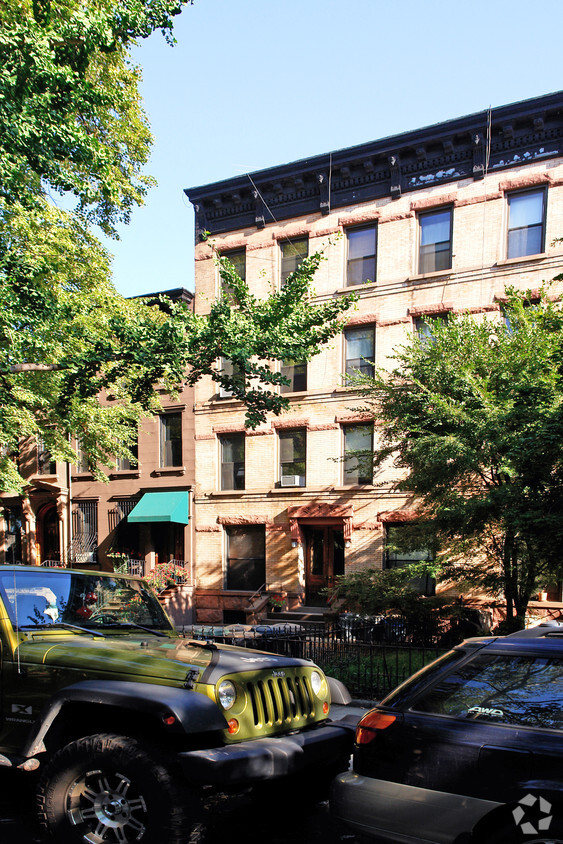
<point>281,700</point>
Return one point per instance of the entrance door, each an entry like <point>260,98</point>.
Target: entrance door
<point>324,560</point>
<point>168,541</point>
<point>47,534</point>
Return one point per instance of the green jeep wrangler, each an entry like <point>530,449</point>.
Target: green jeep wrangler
<point>127,721</point>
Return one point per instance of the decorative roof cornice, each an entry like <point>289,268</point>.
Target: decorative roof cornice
<point>522,132</point>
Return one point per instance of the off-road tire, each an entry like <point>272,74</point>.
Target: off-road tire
<point>111,789</point>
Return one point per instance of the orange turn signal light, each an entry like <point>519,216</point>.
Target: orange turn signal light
<point>325,708</point>
<point>234,726</point>
<point>371,723</point>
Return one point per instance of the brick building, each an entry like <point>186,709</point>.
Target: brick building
<point>430,222</point>
<point>141,514</point>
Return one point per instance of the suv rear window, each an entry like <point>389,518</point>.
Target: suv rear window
<point>523,691</point>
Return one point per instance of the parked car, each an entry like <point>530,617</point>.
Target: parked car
<point>467,751</point>
<point>378,629</point>
<point>126,720</point>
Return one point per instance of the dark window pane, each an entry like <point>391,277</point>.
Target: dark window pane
<point>424,326</point>
<point>519,690</point>
<point>232,462</point>
<point>292,254</point>
<point>358,454</point>
<point>171,439</point>
<point>234,373</point>
<point>396,557</point>
<point>246,557</point>
<point>526,209</point>
<point>523,242</point>
<point>361,255</point>
<point>525,224</point>
<point>297,375</point>
<point>45,464</point>
<point>238,260</point>
<point>123,464</point>
<point>360,350</point>
<point>435,241</point>
<point>84,544</point>
<point>293,451</point>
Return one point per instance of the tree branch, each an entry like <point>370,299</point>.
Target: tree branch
<point>38,367</point>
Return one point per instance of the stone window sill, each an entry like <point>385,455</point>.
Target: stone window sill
<point>522,259</point>
<point>431,276</point>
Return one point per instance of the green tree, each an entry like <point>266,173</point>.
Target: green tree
<point>78,360</point>
<point>71,118</point>
<point>472,418</point>
<point>68,339</point>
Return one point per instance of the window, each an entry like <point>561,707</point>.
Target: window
<point>523,691</point>
<point>293,457</point>
<point>124,464</point>
<point>292,253</point>
<point>360,264</point>
<point>358,454</point>
<point>360,350</point>
<point>396,557</point>
<point>84,531</point>
<point>171,439</point>
<point>424,326</point>
<point>81,459</point>
<point>45,463</point>
<point>238,259</point>
<point>246,557</point>
<point>435,233</point>
<point>296,373</point>
<point>232,462</point>
<point>526,215</point>
<point>232,371</point>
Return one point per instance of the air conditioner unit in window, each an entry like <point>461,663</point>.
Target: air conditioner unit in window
<point>293,480</point>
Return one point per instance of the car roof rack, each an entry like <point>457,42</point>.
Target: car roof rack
<point>544,628</point>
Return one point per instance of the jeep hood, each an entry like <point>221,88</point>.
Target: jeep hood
<point>149,658</point>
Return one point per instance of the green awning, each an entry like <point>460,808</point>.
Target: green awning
<point>162,507</point>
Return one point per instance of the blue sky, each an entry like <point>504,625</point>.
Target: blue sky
<point>251,84</point>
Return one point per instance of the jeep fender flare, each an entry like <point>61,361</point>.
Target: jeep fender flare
<point>181,711</point>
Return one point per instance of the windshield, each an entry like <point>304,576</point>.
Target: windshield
<point>46,598</point>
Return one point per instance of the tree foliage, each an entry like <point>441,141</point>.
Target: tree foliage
<point>78,360</point>
<point>70,111</point>
<point>472,418</point>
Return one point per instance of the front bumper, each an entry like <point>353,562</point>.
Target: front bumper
<point>269,758</point>
<point>403,814</point>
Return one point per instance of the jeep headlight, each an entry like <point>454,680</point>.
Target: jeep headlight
<point>227,694</point>
<point>316,682</point>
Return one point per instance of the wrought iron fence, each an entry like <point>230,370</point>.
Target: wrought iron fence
<point>369,668</point>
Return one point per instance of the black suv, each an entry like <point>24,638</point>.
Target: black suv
<point>467,751</point>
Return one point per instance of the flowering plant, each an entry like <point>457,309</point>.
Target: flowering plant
<point>278,601</point>
<point>161,576</point>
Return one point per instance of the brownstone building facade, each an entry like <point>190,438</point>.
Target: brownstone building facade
<point>140,517</point>
<point>432,222</point>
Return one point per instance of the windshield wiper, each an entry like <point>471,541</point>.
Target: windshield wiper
<point>62,624</point>
<point>129,624</point>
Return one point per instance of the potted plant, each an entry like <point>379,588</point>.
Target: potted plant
<point>277,602</point>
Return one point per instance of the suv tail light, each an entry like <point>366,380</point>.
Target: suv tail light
<point>371,723</point>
